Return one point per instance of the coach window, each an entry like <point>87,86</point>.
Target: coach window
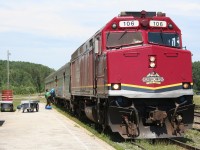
<point>117,40</point>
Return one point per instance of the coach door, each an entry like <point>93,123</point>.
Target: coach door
<point>99,68</point>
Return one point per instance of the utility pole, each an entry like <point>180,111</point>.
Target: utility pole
<point>8,71</point>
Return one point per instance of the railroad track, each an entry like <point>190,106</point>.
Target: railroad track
<point>197,107</point>
<point>172,141</point>
<point>197,128</point>
<point>197,114</point>
<point>197,118</point>
<point>183,145</point>
<point>139,146</point>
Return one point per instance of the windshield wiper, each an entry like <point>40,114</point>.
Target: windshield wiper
<point>123,45</point>
<point>122,35</point>
<point>108,34</point>
<point>161,36</point>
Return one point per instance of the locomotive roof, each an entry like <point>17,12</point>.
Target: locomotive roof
<point>137,14</point>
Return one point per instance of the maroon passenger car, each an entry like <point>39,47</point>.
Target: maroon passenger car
<point>134,77</point>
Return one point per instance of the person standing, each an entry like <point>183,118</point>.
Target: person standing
<point>53,95</point>
<point>48,98</point>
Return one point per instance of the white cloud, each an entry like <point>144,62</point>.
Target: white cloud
<point>70,19</point>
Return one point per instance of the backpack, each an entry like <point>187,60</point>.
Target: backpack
<point>47,94</point>
<point>52,92</point>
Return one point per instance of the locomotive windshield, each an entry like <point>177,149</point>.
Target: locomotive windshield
<point>123,39</point>
<point>161,38</point>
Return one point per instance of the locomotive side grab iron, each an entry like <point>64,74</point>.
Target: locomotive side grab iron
<point>133,76</point>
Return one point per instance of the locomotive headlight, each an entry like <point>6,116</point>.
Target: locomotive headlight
<point>116,86</point>
<point>170,26</point>
<point>152,58</point>
<point>114,25</point>
<point>152,64</point>
<point>152,61</point>
<point>186,85</point>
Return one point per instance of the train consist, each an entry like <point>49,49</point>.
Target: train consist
<point>132,76</point>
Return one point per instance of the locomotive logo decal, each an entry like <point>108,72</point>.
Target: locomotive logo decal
<point>153,78</point>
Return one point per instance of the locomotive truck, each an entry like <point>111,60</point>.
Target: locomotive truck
<point>133,76</point>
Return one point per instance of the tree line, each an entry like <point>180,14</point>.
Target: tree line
<point>28,78</point>
<point>196,75</point>
<point>24,78</point>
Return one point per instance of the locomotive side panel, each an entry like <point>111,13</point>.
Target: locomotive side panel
<point>87,73</point>
<point>75,74</point>
<point>82,72</point>
<point>90,70</point>
<point>101,75</point>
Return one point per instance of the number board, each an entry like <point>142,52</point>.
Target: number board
<point>131,23</point>
<point>156,23</point>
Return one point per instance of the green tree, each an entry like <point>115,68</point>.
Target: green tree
<point>25,77</point>
<point>196,75</point>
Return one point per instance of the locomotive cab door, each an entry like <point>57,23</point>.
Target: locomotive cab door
<point>99,68</point>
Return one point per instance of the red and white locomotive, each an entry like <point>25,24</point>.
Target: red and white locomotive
<point>132,76</point>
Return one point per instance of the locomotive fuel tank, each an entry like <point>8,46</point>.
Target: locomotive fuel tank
<point>90,112</point>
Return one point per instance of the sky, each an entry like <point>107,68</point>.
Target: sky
<point>47,32</point>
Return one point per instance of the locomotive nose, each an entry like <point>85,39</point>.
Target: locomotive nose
<point>149,71</point>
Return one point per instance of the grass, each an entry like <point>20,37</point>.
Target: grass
<point>197,99</point>
<point>192,137</point>
<point>160,144</point>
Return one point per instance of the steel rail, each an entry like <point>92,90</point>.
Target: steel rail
<point>197,106</point>
<point>183,145</point>
<point>139,146</point>
<point>197,123</point>
<point>197,114</point>
<point>196,129</point>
